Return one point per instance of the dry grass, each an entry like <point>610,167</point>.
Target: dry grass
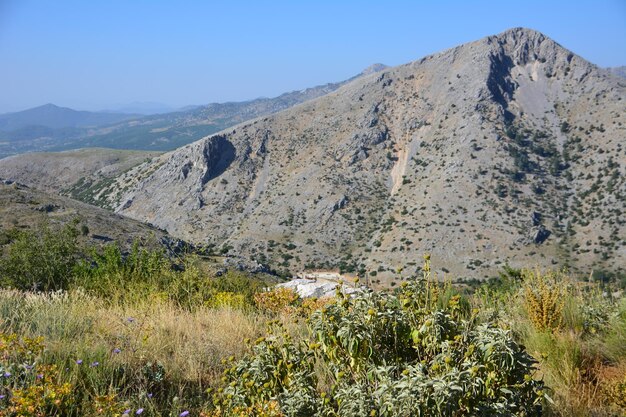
<point>190,344</point>
<point>576,332</point>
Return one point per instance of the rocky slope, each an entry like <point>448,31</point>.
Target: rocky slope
<point>80,174</point>
<point>507,149</point>
<point>22,207</point>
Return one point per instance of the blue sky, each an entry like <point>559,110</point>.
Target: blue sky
<point>99,54</point>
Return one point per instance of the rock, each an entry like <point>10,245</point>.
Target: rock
<point>102,238</point>
<point>127,204</point>
<point>341,203</point>
<point>536,218</point>
<point>176,246</point>
<point>309,288</point>
<point>48,208</point>
<point>540,234</point>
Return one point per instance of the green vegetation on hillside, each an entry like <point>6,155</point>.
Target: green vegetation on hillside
<point>102,332</point>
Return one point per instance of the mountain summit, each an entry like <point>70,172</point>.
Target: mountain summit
<point>509,149</point>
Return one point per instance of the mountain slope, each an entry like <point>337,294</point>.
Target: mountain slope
<point>80,174</point>
<point>22,208</point>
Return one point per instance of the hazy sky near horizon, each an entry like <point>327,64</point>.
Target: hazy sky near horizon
<point>104,54</point>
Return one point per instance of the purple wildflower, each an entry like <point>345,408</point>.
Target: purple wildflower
<point>139,411</point>
<point>149,395</point>
<point>39,376</point>
<point>131,320</point>
<point>117,350</point>
<point>2,397</point>
<point>94,364</point>
<point>79,362</point>
<point>7,374</point>
<point>184,414</point>
<point>127,411</point>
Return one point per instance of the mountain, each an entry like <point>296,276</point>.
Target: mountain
<point>55,117</point>
<point>509,149</point>
<point>159,132</point>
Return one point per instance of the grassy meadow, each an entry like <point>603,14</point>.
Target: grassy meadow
<point>87,332</point>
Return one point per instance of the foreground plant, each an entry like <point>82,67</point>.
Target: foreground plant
<point>386,354</point>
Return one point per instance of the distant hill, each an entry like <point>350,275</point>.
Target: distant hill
<point>159,132</point>
<point>143,108</point>
<point>55,117</point>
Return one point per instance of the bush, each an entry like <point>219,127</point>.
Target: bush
<point>40,260</point>
<point>228,299</point>
<point>279,300</point>
<point>386,354</point>
<point>543,297</point>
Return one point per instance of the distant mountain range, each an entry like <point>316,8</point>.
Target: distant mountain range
<point>53,128</point>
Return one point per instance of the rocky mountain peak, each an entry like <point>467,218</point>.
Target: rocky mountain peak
<point>524,46</point>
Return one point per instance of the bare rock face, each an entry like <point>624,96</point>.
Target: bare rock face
<point>311,288</point>
<point>451,155</point>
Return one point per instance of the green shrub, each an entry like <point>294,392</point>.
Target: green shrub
<point>386,354</point>
<point>145,274</point>
<point>40,260</point>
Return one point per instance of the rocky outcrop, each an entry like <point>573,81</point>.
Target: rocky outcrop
<point>218,154</point>
<point>311,288</point>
